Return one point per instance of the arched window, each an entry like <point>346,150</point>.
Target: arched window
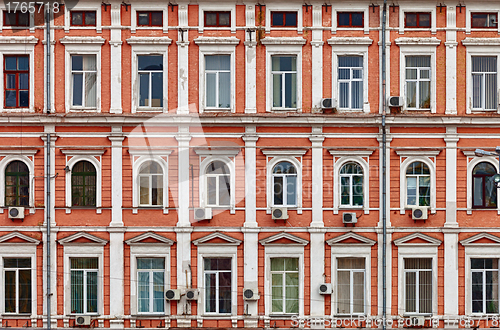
<point>17,184</point>
<point>218,183</point>
<point>484,189</point>
<point>151,184</point>
<point>351,185</point>
<point>83,184</point>
<point>284,184</point>
<point>418,184</point>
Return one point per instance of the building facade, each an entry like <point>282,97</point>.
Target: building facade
<point>220,164</point>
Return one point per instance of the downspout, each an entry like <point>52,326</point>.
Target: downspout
<point>48,197</point>
<point>384,169</point>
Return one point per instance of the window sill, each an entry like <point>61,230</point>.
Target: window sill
<point>13,315</point>
<point>98,210</point>
<point>18,110</point>
<point>224,316</point>
<point>284,109</point>
<point>136,209</point>
<point>483,110</point>
<point>149,109</point>
<point>218,109</point>
<point>282,315</point>
<point>146,316</point>
<point>81,314</point>
<point>72,109</point>
<point>349,207</point>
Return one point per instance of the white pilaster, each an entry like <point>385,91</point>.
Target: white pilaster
<point>317,246</point>
<point>184,275</point>
<point>317,56</point>
<point>183,61</point>
<point>250,61</point>
<point>183,139</point>
<point>116,59</point>
<point>250,177</point>
<point>451,300</point>
<point>116,273</point>
<point>116,176</point>
<point>451,60</point>
<point>317,174</point>
<point>451,140</point>
<point>251,274</point>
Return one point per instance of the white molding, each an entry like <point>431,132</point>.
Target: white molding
<point>350,41</point>
<point>28,240</point>
<point>138,240</point>
<point>203,198</point>
<point>419,7</point>
<point>269,241</point>
<point>79,152</point>
<point>269,179</point>
<point>219,6</point>
<point>84,5</point>
<point>338,241</point>
<point>352,6</point>
<point>149,41</point>
<point>208,152</point>
<point>358,153</point>
<point>429,241</point>
<point>149,151</point>
<point>136,166</point>
<point>416,152</point>
<point>148,6</point>
<point>402,180</point>
<point>15,40</point>
<point>479,6</point>
<point>219,41</point>
<point>30,163</point>
<point>284,6</point>
<point>284,152</point>
<point>92,157</point>
<point>69,240</point>
<point>229,241</point>
<point>471,240</point>
<point>82,40</point>
<point>472,161</point>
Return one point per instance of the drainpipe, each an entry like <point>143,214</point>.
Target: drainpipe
<point>48,171</point>
<point>384,169</point>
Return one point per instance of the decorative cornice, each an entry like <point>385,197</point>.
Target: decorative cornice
<point>470,241</point>
<point>358,41</point>
<point>141,151</point>
<point>417,152</point>
<point>216,41</point>
<point>429,241</point>
<point>481,42</point>
<point>417,41</point>
<point>283,41</point>
<point>94,239</point>
<point>284,152</point>
<point>149,41</point>
<point>138,240</point>
<point>205,152</point>
<point>296,240</point>
<point>28,240</point>
<point>18,152</point>
<point>75,152</point>
<point>336,241</point>
<point>360,153</point>
<point>205,240</point>
<point>19,40</point>
<point>82,40</point>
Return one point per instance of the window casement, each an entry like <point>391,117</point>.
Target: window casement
<point>284,184</point>
<point>284,80</point>
<point>84,81</point>
<point>350,286</point>
<point>150,182</point>
<point>217,75</point>
<point>484,188</point>
<point>83,18</point>
<point>350,19</point>
<point>149,273</point>
<point>16,18</point>
<point>418,184</point>
<point>150,18</point>
<point>350,82</point>
<point>83,184</point>
<point>484,83</point>
<point>217,18</point>
<point>283,19</point>
<point>351,185</point>
<point>484,20</point>
<point>16,78</point>
<point>83,273</point>
<point>17,184</point>
<point>484,286</point>
<point>217,274</point>
<point>17,285</point>
<point>418,82</point>
<point>150,285</point>
<point>150,76</point>
<point>284,285</point>
<point>417,20</point>
<point>418,285</point>
<point>218,184</point>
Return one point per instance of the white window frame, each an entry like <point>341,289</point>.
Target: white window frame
<point>418,47</point>
<point>416,8</point>
<point>273,157</point>
<point>472,161</point>
<point>342,157</point>
<point>216,46</point>
<point>350,46</point>
<point>164,167</point>
<point>353,6</point>
<point>408,250</point>
<point>83,6</point>
<point>292,250</point>
<point>283,46</point>
<point>148,46</point>
<point>483,75</point>
<point>228,249</point>
<point>95,249</point>
<point>28,159</point>
<point>417,279</point>
<point>203,181</point>
<point>31,28</point>
<point>284,6</point>
<point>26,249</point>
<point>95,158</point>
<point>480,47</point>
<point>139,249</point>
<point>223,6</point>
<point>479,250</point>
<point>81,46</point>
<point>18,45</point>
<point>407,157</point>
<point>362,249</point>
<point>481,7</point>
<point>148,6</point>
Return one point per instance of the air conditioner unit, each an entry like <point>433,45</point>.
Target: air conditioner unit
<point>16,212</point>
<point>250,294</point>
<point>279,213</point>
<point>417,321</point>
<point>349,217</point>
<point>202,213</point>
<point>395,101</point>
<point>325,288</point>
<point>192,294</point>
<point>173,294</point>
<point>83,320</point>
<point>328,103</point>
<point>419,213</point>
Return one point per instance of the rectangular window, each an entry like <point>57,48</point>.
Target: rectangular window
<point>218,81</point>
<point>418,285</point>
<point>484,82</point>
<point>217,19</point>
<point>83,18</point>
<point>484,286</point>
<point>17,277</point>
<point>418,82</point>
<point>150,72</point>
<point>16,80</point>
<point>16,19</point>
<point>284,19</point>
<point>417,20</point>
<point>285,285</point>
<point>350,19</point>
<point>150,285</point>
<point>351,286</point>
<point>149,18</point>
<point>284,75</point>
<point>484,20</point>
<point>84,272</point>
<point>218,287</point>
<point>350,82</point>
<point>84,81</point>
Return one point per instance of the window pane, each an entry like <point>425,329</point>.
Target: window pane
<point>10,291</point>
<point>90,89</point>
<point>224,292</point>
<point>210,19</point>
<point>278,19</point>
<point>91,292</point>
<point>343,19</point>
<point>143,292</point>
<point>344,292</point>
<point>224,190</point>
<point>278,190</point>
<point>150,62</point>
<point>411,292</point>
<point>425,292</point>
<point>224,19</point>
<point>210,293</point>
<point>77,18</point>
<point>277,292</point>
<point>157,89</point>
<point>277,90</point>
<point>425,94</point>
<point>411,20</point>
<point>290,90</point>
<point>144,90</point>
<point>358,292</point>
<point>77,89</point>
<point>77,291</point>
<point>477,90</point>
<point>477,292</point>
<point>212,190</point>
<point>291,188</point>
<point>344,95</point>
<point>424,20</point>
<point>411,94</point>
<point>357,19</point>
<point>490,88</point>
<point>158,291</point>
<point>143,18</point>
<point>411,191</point>
<point>291,19</point>
<point>90,18</point>
<point>157,18</point>
<point>491,292</point>
<point>211,86</point>
<point>224,90</point>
